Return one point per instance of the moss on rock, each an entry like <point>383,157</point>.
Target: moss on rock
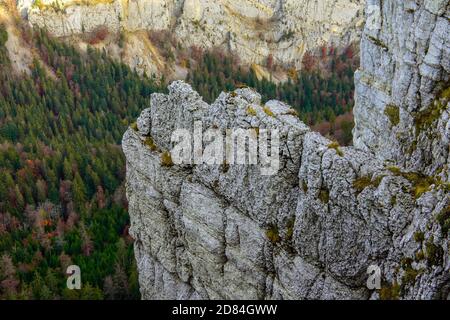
<point>390,291</point>
<point>324,195</point>
<point>419,236</point>
<point>149,142</point>
<point>433,253</point>
<point>272,234</point>
<point>335,145</point>
<point>166,159</point>
<point>424,119</point>
<point>393,113</point>
<point>443,218</point>
<point>366,181</point>
<point>420,183</point>
<point>251,111</point>
<point>268,111</point>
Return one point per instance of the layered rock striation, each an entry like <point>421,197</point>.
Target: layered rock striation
<point>329,214</point>
<point>250,28</point>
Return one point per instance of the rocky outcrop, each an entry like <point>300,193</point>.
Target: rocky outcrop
<point>309,231</point>
<point>252,29</point>
<point>312,229</point>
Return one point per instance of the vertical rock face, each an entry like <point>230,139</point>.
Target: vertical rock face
<point>313,228</point>
<point>251,28</point>
<point>401,113</point>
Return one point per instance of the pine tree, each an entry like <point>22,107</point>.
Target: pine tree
<point>79,191</point>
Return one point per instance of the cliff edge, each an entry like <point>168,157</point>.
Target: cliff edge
<point>313,228</point>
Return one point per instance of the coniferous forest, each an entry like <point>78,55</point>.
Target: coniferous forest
<point>62,197</point>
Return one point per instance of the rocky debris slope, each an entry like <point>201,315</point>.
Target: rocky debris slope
<point>312,230</point>
<point>253,29</point>
<point>19,52</point>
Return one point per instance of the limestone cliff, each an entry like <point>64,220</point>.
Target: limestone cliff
<point>311,230</point>
<point>252,29</point>
<point>405,65</point>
